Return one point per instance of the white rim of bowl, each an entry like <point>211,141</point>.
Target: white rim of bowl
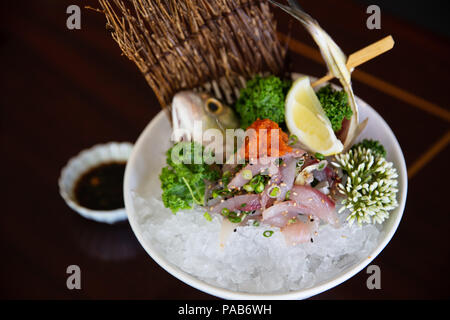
<point>234,295</point>
<point>105,216</point>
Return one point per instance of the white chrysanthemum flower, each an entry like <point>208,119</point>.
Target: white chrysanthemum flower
<point>370,188</point>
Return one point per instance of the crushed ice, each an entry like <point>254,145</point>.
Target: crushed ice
<point>251,262</point>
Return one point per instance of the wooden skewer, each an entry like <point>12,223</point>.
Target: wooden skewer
<point>359,57</point>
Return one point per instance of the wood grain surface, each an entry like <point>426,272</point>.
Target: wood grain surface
<point>64,91</point>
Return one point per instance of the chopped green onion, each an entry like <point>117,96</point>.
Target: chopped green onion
<point>225,211</point>
<point>207,216</point>
<point>288,194</point>
<point>256,223</point>
<point>293,139</point>
<point>259,187</point>
<point>247,174</point>
<point>275,192</point>
<point>278,162</point>
<point>293,220</point>
<point>322,164</point>
<point>319,156</point>
<point>226,177</point>
<point>234,217</point>
<point>256,179</point>
<point>300,162</point>
<point>243,205</point>
<point>268,233</point>
<point>247,187</point>
<point>222,192</point>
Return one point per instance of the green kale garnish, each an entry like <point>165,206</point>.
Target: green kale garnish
<point>262,98</point>
<point>183,179</point>
<point>336,106</point>
<point>374,145</point>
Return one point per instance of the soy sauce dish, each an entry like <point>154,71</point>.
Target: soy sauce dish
<point>92,182</point>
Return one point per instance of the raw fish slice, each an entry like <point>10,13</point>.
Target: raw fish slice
<point>279,214</point>
<point>299,232</point>
<point>287,171</point>
<point>266,199</point>
<point>313,202</point>
<point>236,203</point>
<point>295,153</point>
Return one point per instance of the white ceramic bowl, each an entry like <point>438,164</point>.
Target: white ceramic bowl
<point>145,165</point>
<point>80,164</point>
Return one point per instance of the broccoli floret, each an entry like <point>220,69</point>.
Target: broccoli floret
<point>262,98</point>
<point>336,106</point>
<point>374,145</point>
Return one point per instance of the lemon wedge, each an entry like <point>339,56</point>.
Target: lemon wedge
<point>306,119</point>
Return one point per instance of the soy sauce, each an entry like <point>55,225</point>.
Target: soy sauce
<point>101,188</point>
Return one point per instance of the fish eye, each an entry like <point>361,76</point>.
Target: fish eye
<point>214,105</point>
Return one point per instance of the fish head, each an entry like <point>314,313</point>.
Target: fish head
<point>191,108</point>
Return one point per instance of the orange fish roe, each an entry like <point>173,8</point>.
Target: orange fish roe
<point>260,138</point>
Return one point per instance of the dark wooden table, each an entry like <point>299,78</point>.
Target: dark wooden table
<point>64,91</point>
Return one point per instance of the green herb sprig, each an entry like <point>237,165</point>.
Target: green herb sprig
<point>182,180</point>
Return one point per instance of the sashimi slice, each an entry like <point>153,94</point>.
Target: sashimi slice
<point>313,202</point>
<point>299,232</point>
<point>246,202</point>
